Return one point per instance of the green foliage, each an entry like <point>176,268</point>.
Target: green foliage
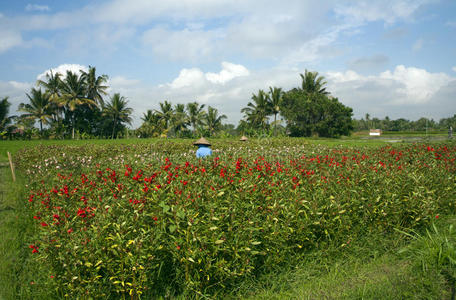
<point>315,114</point>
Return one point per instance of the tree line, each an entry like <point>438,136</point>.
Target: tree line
<point>70,105</point>
<point>401,124</point>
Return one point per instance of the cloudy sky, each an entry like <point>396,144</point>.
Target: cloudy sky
<point>393,58</point>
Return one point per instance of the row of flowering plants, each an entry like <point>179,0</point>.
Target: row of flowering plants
<point>139,222</point>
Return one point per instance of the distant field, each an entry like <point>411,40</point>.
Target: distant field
<point>357,138</point>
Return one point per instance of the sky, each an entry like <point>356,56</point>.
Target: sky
<point>394,58</point>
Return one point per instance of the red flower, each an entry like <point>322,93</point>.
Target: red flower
<point>437,216</point>
<point>70,230</point>
<point>44,224</point>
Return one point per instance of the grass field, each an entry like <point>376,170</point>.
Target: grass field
<point>374,265</point>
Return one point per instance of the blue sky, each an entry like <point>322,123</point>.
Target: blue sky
<point>382,57</point>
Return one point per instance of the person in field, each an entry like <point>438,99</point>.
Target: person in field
<point>203,148</point>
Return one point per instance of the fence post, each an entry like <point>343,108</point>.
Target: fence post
<point>11,166</point>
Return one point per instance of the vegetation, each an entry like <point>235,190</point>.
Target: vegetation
<point>137,220</point>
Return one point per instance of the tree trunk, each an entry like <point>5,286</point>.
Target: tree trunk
<point>275,124</point>
<point>113,129</point>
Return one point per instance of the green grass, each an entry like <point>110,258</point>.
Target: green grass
<point>371,268</point>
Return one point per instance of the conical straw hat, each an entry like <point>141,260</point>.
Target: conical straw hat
<point>202,141</point>
<point>243,138</point>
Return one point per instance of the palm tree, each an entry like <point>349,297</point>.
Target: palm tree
<point>212,120</point>
<point>95,87</point>
<point>39,107</point>
<point>52,86</point>
<point>313,84</point>
<point>257,111</point>
<point>4,110</point>
<point>195,114</point>
<point>73,90</point>
<point>165,113</point>
<point>179,119</point>
<point>118,111</point>
<point>152,124</point>
<point>275,101</point>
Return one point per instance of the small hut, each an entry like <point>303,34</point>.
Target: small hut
<point>375,132</point>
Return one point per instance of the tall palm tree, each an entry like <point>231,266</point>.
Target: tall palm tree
<point>313,84</point>
<point>165,113</point>
<point>52,86</point>
<point>195,114</point>
<point>95,86</point>
<point>179,119</point>
<point>275,101</point>
<point>257,111</point>
<point>39,107</point>
<point>118,111</point>
<point>212,120</point>
<point>73,90</point>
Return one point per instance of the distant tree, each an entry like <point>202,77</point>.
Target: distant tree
<point>38,109</point>
<point>195,114</point>
<point>152,124</point>
<point>313,84</point>
<point>95,85</point>
<point>4,111</point>
<point>73,95</point>
<point>117,111</point>
<point>179,119</point>
<point>213,121</point>
<point>275,101</point>
<point>165,113</point>
<point>257,112</point>
<point>315,113</point>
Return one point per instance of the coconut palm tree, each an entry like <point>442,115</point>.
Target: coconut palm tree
<point>118,111</point>
<point>52,86</point>
<point>195,114</point>
<point>39,107</point>
<point>179,119</point>
<point>313,84</point>
<point>152,124</point>
<point>73,94</point>
<point>212,120</point>
<point>165,113</point>
<point>257,112</point>
<point>275,101</point>
<point>95,86</point>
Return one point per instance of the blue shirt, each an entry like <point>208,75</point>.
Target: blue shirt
<point>203,151</point>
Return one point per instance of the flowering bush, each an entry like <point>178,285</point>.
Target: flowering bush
<point>149,222</point>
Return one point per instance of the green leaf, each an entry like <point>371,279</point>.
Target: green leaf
<point>172,228</point>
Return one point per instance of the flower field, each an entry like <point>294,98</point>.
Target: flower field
<point>144,221</point>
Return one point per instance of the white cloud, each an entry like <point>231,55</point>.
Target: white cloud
<point>454,69</point>
<point>196,78</point>
<point>62,69</point>
<point>15,91</point>
<point>228,72</point>
<point>188,77</point>
<point>36,7</point>
<point>404,92</point>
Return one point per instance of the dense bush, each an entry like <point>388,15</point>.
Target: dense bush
<point>139,220</point>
